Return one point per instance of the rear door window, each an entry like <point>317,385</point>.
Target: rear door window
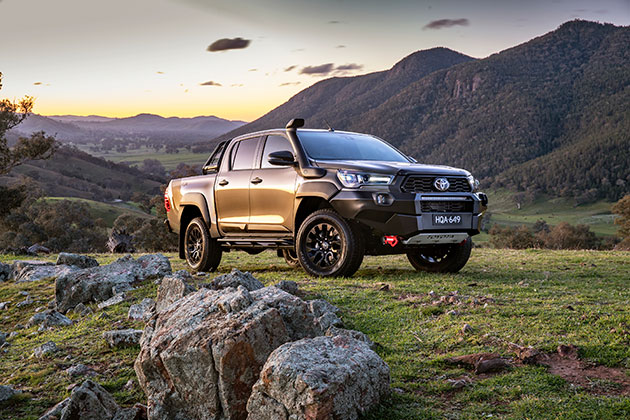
<point>243,154</point>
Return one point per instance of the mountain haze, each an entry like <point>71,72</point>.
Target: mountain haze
<point>550,115</point>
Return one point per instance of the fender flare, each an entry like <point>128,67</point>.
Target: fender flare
<point>321,189</point>
<point>198,200</point>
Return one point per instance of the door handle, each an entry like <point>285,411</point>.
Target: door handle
<point>223,182</point>
<point>256,180</point>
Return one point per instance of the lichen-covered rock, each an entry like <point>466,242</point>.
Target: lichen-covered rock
<point>325,314</point>
<point>173,288</point>
<point>45,349</point>
<point>89,402</point>
<point>54,413</point>
<point>100,283</point>
<point>114,300</point>
<point>123,338</point>
<point>201,354</point>
<point>77,260</point>
<point>27,271</point>
<point>234,279</point>
<point>357,335</point>
<point>141,311</point>
<point>37,249</point>
<point>6,392</point>
<point>288,286</point>
<point>80,370</point>
<point>319,378</point>
<point>137,412</point>
<point>5,272</point>
<point>49,318</point>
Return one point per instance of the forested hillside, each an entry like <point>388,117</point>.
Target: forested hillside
<point>550,115</point>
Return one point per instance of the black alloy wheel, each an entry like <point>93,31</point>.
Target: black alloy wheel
<point>291,258</point>
<point>202,252</point>
<point>328,245</point>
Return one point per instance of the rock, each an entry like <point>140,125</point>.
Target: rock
<point>33,270</point>
<point>481,362</point>
<point>452,313</point>
<point>82,310</point>
<point>3,338</point>
<point>466,329</point>
<point>122,338</point>
<point>54,413</point>
<point>491,365</point>
<point>459,383</point>
<point>357,335</point>
<point>5,272</point>
<point>384,287</point>
<point>77,260</point>
<point>49,318</point>
<point>131,384</point>
<point>80,370</point>
<point>25,302</point>
<point>319,378</point>
<point>45,349</point>
<point>114,300</point>
<point>288,286</point>
<point>201,355</point>
<point>528,355</point>
<point>141,311</point>
<point>325,314</point>
<point>173,288</point>
<point>37,249</point>
<point>4,305</point>
<point>137,412</point>
<point>6,393</point>
<point>120,242</point>
<point>234,279</point>
<point>89,402</point>
<point>97,284</point>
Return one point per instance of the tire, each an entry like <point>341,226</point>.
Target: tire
<point>328,245</point>
<point>291,258</point>
<point>202,252</point>
<point>441,258</point>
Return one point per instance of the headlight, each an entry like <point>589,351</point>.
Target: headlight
<point>356,179</point>
<point>474,183</point>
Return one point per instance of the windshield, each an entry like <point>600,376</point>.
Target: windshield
<point>344,146</point>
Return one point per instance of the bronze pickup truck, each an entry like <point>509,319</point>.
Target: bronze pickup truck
<point>323,199</point>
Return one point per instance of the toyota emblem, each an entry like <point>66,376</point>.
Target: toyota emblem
<point>441,184</point>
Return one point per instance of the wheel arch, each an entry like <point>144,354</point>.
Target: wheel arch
<point>189,212</point>
<point>307,205</point>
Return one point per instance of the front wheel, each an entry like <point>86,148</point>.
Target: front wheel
<point>202,252</point>
<point>441,258</point>
<point>328,245</point>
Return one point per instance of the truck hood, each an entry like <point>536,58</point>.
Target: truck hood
<point>392,168</point>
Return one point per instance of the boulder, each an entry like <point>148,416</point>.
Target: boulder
<point>5,272</point>
<point>6,393</point>
<point>49,318</point>
<point>123,338</point>
<point>325,314</point>
<point>234,279</point>
<point>137,412</point>
<point>288,286</point>
<point>173,288</point>
<point>80,370</point>
<point>201,354</point>
<point>319,378</point>
<point>55,412</point>
<point>114,300</point>
<point>141,311</point>
<point>77,260</point>
<point>45,349</point>
<point>97,284</point>
<point>37,249</point>
<point>357,335</point>
<point>89,402</point>
<point>27,271</point>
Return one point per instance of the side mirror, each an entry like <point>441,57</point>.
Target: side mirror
<point>281,158</point>
<point>209,169</point>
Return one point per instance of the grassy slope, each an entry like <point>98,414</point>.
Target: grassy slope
<point>136,156</point>
<point>106,211</point>
<point>533,290</point>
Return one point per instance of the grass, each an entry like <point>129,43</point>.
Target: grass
<point>136,156</point>
<point>106,211</point>
<point>541,298</point>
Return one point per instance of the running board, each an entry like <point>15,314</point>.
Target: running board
<point>249,242</point>
<point>436,238</point>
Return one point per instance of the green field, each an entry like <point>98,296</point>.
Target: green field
<point>535,297</point>
<point>136,156</point>
<point>106,211</point>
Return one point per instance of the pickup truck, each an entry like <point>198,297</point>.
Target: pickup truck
<point>323,199</point>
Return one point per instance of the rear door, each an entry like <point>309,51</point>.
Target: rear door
<point>232,186</point>
<point>272,190</point>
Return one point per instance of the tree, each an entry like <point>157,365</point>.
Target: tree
<point>37,146</point>
<point>622,209</point>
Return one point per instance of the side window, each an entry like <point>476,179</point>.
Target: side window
<point>274,143</point>
<point>243,154</point>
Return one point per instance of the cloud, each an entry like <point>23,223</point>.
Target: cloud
<point>446,23</point>
<point>252,70</point>
<point>322,69</point>
<point>290,68</point>
<point>349,67</point>
<point>38,83</point>
<point>210,83</point>
<point>225,44</point>
<point>237,85</point>
<point>289,84</point>
<point>340,46</point>
<point>333,22</point>
<point>159,72</point>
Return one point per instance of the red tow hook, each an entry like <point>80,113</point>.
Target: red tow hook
<point>391,240</point>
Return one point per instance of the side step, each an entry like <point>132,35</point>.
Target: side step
<point>256,242</point>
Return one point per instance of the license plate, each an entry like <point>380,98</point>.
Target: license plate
<point>443,219</point>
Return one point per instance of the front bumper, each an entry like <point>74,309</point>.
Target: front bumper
<point>402,213</point>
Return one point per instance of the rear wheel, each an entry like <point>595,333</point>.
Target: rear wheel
<point>328,245</point>
<point>441,258</point>
<point>202,252</point>
<point>291,258</point>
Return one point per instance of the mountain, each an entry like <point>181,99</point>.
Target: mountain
<point>73,173</point>
<point>93,128</point>
<point>549,116</point>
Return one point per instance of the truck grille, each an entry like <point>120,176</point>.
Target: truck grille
<point>446,206</point>
<point>424,184</point>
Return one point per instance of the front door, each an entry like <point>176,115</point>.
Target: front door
<point>232,187</point>
<point>272,191</point>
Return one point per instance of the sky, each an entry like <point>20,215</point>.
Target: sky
<point>239,59</point>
